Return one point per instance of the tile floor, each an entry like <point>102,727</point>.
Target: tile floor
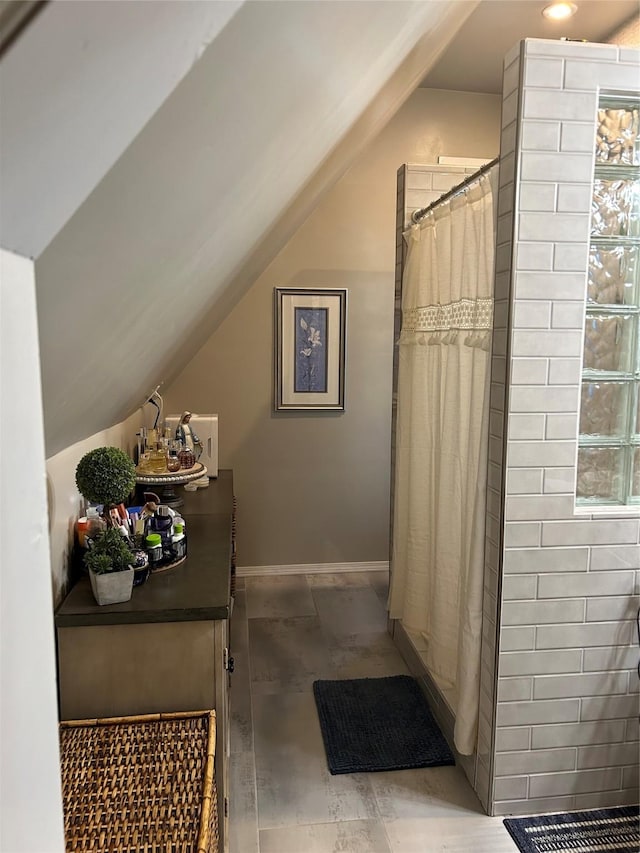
<point>286,632</point>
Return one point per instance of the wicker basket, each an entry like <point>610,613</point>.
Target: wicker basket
<point>140,784</point>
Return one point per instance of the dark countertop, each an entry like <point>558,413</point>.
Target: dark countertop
<point>197,589</point>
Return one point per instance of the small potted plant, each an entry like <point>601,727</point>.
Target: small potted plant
<point>106,475</point>
<point>109,562</point>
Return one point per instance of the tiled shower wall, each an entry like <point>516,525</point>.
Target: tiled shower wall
<point>565,582</point>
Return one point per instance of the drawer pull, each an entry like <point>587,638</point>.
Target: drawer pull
<point>228,661</point>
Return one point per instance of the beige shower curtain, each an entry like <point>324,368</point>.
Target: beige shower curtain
<point>442,440</point>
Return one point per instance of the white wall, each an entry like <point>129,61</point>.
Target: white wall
<point>179,227</point>
<point>30,797</point>
<point>65,503</point>
<point>87,77</point>
<point>314,487</point>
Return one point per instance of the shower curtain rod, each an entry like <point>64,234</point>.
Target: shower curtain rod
<point>417,215</point>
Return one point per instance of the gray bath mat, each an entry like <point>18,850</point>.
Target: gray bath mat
<point>375,724</point>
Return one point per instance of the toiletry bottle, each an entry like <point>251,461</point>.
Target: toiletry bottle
<point>178,542</point>
<point>158,460</point>
<point>95,525</point>
<point>153,545</point>
<point>82,525</point>
<point>161,522</point>
<point>173,463</point>
<point>186,457</point>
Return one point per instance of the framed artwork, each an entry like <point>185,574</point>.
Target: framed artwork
<point>310,340</point>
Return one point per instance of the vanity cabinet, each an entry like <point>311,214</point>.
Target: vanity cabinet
<point>167,649</point>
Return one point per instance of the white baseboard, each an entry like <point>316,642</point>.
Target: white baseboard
<point>312,569</point>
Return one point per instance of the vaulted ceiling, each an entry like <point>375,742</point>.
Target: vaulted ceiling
<point>157,155</point>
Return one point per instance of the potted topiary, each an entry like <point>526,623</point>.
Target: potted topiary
<point>106,476</point>
<point>109,561</point>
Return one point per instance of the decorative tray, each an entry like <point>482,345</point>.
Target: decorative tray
<point>184,475</point>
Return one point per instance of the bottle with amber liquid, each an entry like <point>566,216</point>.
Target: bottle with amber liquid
<point>158,460</point>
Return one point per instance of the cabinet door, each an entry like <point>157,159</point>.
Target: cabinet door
<point>120,670</point>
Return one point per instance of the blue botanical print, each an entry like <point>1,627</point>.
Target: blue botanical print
<point>311,350</point>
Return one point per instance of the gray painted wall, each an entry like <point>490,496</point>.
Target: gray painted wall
<point>314,488</point>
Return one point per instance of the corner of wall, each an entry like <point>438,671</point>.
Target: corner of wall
<point>507,181</point>
<point>565,702</point>
<point>628,34</point>
<point>66,503</point>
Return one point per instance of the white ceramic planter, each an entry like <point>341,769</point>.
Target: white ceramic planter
<point>112,587</point>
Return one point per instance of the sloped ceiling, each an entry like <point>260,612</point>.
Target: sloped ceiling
<point>273,111</point>
<point>77,87</point>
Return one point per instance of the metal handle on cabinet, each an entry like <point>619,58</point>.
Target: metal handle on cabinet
<point>229,662</point>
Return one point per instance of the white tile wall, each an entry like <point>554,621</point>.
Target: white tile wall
<point>537,196</point>
<point>525,481</point>
<point>574,196</point>
<point>566,707</point>
<point>556,687</point>
<point>553,560</point>
<point>578,734</point>
<point>549,47</point>
<point>551,165</point>
<point>576,136</point>
<point>560,426</point>
<point>510,740</point>
<point>522,427</point>
<point>604,559</point>
<point>547,399</point>
<point>559,585</point>
<point>568,315</point>
<point>567,227</point>
<point>550,759</point>
<point>529,371</point>
<point>569,257</point>
<point>527,454</point>
<point>565,372</point>
<point>540,135</point>
<point>559,480</point>
<point>517,639</point>
<point>533,315</point>
<point>556,285</point>
<point>566,106</point>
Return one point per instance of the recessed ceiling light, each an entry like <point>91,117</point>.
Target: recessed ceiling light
<point>559,11</point>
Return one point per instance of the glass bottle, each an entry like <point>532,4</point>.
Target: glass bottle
<point>173,463</point>
<point>186,457</point>
<point>158,460</point>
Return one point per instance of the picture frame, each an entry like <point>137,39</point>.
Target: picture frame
<point>310,348</point>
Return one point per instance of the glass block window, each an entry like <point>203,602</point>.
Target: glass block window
<point>609,444</point>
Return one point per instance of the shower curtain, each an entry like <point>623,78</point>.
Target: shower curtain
<point>442,440</point>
